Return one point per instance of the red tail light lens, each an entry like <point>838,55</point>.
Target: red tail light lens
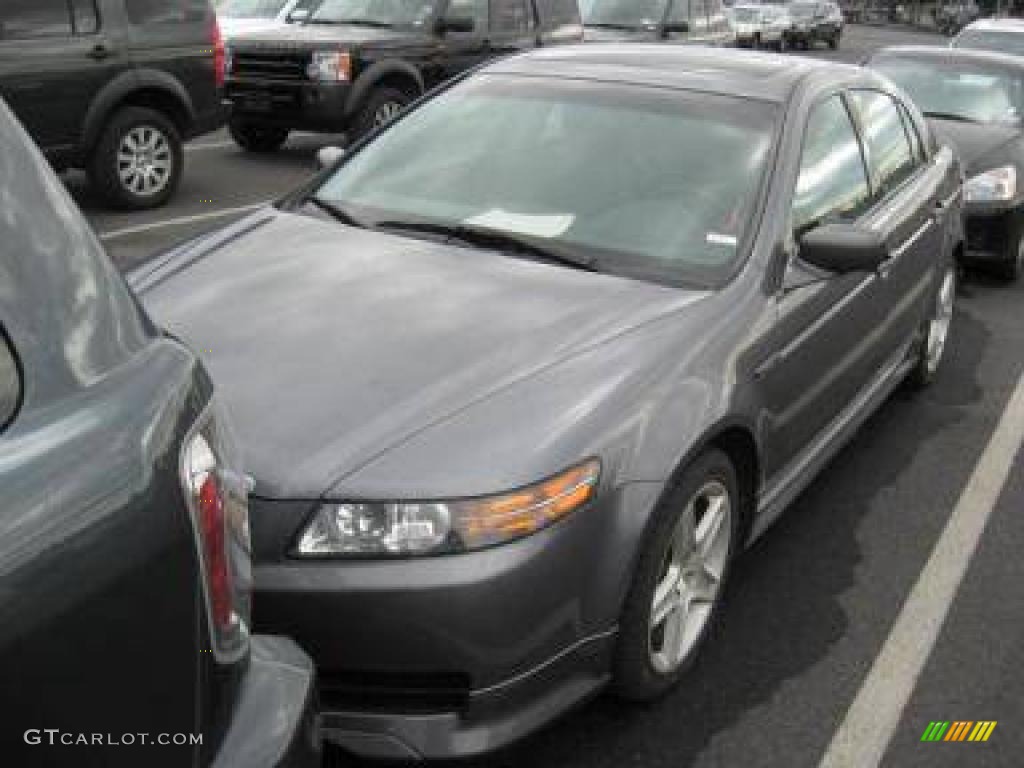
<point>217,501</point>
<point>219,58</point>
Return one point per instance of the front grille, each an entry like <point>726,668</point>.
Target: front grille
<point>393,692</point>
<point>270,66</point>
<point>986,235</point>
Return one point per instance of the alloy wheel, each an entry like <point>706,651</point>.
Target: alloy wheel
<point>386,112</point>
<point>145,161</point>
<point>938,328</point>
<point>690,577</point>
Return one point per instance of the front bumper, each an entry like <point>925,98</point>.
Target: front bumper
<point>456,655</point>
<point>301,106</point>
<point>274,724</point>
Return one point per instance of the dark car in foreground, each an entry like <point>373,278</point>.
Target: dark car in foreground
<point>114,87</point>
<point>518,377</point>
<point>975,102</point>
<point>352,65</point>
<point>678,21</point>
<point>124,555</point>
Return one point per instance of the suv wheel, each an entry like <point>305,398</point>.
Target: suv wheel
<point>138,159</point>
<point>253,137</point>
<point>383,106</point>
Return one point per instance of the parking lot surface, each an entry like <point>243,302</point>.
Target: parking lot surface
<point>830,595</point>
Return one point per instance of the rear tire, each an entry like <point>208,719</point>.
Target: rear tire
<point>253,137</point>
<point>674,580</point>
<point>138,160</point>
<point>381,107</point>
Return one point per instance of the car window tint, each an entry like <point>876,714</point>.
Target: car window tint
<point>10,382</point>
<point>142,12</point>
<point>29,19</point>
<point>85,18</point>
<point>511,16</point>
<point>469,9</point>
<point>832,183</point>
<point>890,158</point>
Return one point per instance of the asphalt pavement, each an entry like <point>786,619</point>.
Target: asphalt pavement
<point>847,629</point>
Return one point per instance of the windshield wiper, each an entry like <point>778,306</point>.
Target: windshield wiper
<point>336,212</point>
<point>543,250</point>
<point>950,116</point>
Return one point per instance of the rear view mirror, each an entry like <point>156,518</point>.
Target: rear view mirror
<point>328,157</point>
<point>843,248</point>
<point>459,24</point>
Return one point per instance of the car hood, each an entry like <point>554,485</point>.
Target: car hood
<point>980,147</point>
<point>307,36</point>
<point>233,28</point>
<point>331,345</point>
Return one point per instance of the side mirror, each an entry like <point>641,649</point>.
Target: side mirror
<point>676,28</point>
<point>843,248</point>
<point>459,24</point>
<point>328,157</point>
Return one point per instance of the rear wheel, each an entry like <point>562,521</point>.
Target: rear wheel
<point>138,159</point>
<point>935,331</point>
<point>679,581</point>
<point>253,137</point>
<point>382,106</point>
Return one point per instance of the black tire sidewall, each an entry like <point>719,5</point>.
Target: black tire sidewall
<point>633,676</point>
<point>364,123</point>
<point>102,165</point>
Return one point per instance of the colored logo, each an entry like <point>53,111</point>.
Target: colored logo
<point>960,730</point>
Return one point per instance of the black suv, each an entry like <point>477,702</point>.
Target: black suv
<point>114,87</point>
<point>124,530</point>
<point>352,65</point>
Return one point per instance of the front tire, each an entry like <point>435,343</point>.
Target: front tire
<point>679,582</point>
<point>253,137</point>
<point>935,330</point>
<point>138,160</point>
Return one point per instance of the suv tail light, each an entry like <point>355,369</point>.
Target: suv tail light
<point>219,56</point>
<point>218,504</point>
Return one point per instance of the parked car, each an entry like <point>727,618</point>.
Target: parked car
<point>114,87</point>
<point>975,102</point>
<point>354,65</point>
<point>124,555</point>
<point>241,17</point>
<point>518,377</point>
<point>758,26</point>
<point>997,35</point>
<point>814,22</point>
<point>953,17</point>
<point>681,21</point>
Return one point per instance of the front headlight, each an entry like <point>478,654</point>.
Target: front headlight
<point>330,66</point>
<point>997,185</point>
<point>372,529</point>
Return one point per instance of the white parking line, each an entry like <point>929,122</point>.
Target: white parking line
<point>873,717</point>
<point>209,216</point>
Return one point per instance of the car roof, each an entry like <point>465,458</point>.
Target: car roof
<point>993,58</point>
<point>1005,25</point>
<point>728,72</point>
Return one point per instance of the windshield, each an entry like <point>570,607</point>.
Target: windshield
<point>747,14</point>
<point>251,9</point>
<point>624,13</point>
<point>990,40</point>
<point>637,181</point>
<point>385,13</point>
<point>803,10</point>
<point>957,89</point>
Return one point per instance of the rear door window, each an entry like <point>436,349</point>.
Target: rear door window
<point>10,382</point>
<point>143,12</point>
<point>31,19</point>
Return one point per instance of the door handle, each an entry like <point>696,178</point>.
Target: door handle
<point>100,51</point>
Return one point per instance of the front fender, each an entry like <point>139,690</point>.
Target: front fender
<point>123,86</point>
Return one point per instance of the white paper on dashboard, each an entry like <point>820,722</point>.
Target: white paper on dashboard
<point>534,225</point>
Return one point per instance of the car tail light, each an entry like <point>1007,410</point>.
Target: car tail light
<point>219,57</point>
<point>217,501</point>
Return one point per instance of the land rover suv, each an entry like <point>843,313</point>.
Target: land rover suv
<point>352,65</point>
<point>114,87</point>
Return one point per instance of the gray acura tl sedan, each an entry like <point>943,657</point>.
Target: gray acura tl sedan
<point>520,374</point>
